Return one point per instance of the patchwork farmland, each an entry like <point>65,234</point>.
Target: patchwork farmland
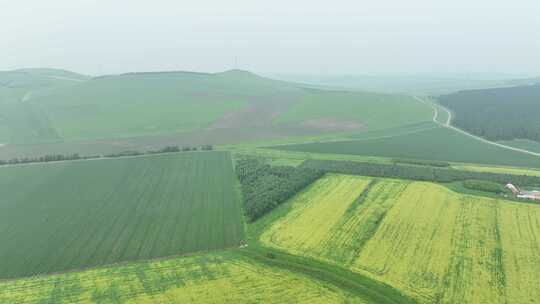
<point>72,215</point>
<point>221,277</point>
<point>325,153</point>
<point>170,228</point>
<point>435,245</point>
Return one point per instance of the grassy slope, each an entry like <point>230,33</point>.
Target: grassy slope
<point>434,244</point>
<point>373,110</point>
<point>133,104</point>
<point>138,104</point>
<point>169,103</point>
<point>440,144</point>
<point>20,120</point>
<point>80,214</point>
<point>39,78</point>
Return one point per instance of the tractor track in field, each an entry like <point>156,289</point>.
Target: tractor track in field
<point>448,125</point>
<point>369,289</point>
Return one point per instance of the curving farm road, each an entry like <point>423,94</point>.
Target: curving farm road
<point>448,124</point>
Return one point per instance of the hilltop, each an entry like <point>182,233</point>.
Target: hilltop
<point>143,110</point>
<point>38,78</point>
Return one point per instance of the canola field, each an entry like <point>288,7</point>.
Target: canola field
<point>80,214</point>
<point>433,244</point>
<point>221,277</point>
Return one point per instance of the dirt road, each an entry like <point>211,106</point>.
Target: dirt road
<point>448,124</point>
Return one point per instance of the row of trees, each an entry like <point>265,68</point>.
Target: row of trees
<point>76,156</point>
<point>432,163</point>
<point>423,173</point>
<point>265,187</point>
<point>486,186</point>
<point>42,159</point>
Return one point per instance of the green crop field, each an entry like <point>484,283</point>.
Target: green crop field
<point>72,215</point>
<point>526,144</point>
<point>439,144</point>
<point>370,110</point>
<point>222,277</point>
<point>435,245</point>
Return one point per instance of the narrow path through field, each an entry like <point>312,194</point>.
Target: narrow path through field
<point>448,124</point>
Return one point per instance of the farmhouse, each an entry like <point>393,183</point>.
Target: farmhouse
<point>534,195</point>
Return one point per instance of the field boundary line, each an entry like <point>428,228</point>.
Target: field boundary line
<point>66,78</point>
<point>449,126</point>
<point>354,282</point>
<point>127,263</point>
<point>103,158</point>
<point>395,135</point>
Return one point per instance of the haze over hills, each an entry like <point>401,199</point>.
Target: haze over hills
<point>306,152</point>
<point>53,107</point>
<point>38,78</point>
<point>409,84</point>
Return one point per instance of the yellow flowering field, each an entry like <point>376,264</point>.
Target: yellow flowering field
<point>435,245</point>
<point>212,278</point>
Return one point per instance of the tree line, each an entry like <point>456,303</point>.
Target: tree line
<point>432,163</point>
<point>497,114</point>
<point>485,186</point>
<point>265,187</point>
<point>76,156</point>
<point>422,173</point>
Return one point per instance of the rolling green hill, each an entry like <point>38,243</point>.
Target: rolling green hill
<point>136,104</point>
<point>20,120</point>
<point>371,111</point>
<point>79,214</point>
<point>150,110</point>
<point>38,78</point>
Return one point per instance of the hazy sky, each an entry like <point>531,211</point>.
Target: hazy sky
<point>302,36</point>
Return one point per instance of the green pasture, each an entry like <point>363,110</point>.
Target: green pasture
<point>372,110</point>
<point>438,144</point>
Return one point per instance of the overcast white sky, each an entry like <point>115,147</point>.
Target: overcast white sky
<point>278,36</point>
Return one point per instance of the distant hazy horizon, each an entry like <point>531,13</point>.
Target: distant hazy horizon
<point>305,37</point>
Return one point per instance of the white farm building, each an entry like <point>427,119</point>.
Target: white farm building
<point>534,195</point>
